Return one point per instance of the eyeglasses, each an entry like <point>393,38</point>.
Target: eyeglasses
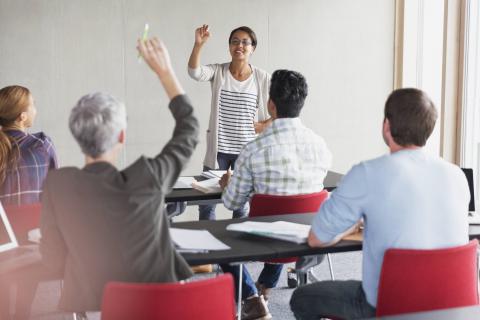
<point>236,42</point>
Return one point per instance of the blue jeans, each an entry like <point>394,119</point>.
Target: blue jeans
<point>207,211</point>
<point>338,299</point>
<point>268,277</point>
<point>248,285</point>
<point>270,274</point>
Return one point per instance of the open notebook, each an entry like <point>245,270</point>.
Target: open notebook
<point>282,230</point>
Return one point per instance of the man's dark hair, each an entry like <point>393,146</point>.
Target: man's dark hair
<point>288,90</point>
<point>412,116</point>
<point>247,30</point>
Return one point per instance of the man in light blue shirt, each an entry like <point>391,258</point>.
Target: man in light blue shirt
<point>407,199</point>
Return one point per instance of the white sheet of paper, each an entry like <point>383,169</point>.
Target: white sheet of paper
<point>34,235</point>
<point>184,183</point>
<point>208,186</point>
<point>289,231</point>
<point>218,173</point>
<point>214,173</point>
<point>196,240</point>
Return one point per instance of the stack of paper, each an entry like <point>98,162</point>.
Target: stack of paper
<point>184,183</point>
<point>288,231</point>
<point>196,241</point>
<point>214,173</point>
<point>208,186</point>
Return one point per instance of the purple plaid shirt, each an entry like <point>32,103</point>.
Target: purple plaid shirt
<point>23,184</point>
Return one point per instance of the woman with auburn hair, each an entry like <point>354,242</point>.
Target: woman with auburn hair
<point>24,158</point>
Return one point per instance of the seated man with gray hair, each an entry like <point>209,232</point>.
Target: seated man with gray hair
<point>101,224</point>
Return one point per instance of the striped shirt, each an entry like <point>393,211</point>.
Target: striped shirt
<point>286,159</point>
<point>23,184</point>
<point>237,109</point>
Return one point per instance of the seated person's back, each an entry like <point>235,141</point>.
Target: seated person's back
<point>408,199</point>
<point>287,158</point>
<point>101,224</point>
<point>25,158</point>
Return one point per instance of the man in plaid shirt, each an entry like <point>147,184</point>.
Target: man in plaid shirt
<point>286,159</point>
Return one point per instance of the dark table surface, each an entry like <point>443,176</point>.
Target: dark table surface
<point>246,247</point>
<point>180,195</point>
<point>463,313</point>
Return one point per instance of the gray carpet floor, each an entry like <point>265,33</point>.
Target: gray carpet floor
<point>346,266</point>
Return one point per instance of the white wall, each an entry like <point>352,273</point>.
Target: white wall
<point>423,54</point>
<point>63,49</point>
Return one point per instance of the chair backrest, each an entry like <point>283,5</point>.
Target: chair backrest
<point>23,218</point>
<point>267,205</point>
<point>421,280</point>
<point>200,300</point>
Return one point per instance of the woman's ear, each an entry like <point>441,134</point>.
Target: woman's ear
<point>22,118</point>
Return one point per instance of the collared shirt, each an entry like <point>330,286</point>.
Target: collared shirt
<point>23,183</point>
<point>408,199</point>
<point>286,159</point>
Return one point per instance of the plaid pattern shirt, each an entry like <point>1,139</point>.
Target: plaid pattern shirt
<point>23,184</point>
<point>286,159</point>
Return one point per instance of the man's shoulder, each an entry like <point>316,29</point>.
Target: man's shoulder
<point>63,173</point>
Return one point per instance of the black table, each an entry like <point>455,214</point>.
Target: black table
<point>247,247</point>
<point>463,313</point>
<point>189,195</point>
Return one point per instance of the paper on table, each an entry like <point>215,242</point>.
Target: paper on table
<point>184,183</point>
<point>208,186</point>
<point>214,173</point>
<point>193,241</point>
<point>34,235</point>
<point>283,230</point>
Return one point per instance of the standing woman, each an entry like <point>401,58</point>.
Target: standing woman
<point>24,158</point>
<point>239,102</point>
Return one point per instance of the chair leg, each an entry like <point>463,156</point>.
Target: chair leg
<point>301,278</point>
<point>239,302</point>
<point>330,266</point>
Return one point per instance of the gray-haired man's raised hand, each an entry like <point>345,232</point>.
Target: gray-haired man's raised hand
<point>155,54</point>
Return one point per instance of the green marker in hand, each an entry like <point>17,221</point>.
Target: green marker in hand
<point>144,38</point>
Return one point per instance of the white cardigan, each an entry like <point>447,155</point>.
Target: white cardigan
<point>215,73</point>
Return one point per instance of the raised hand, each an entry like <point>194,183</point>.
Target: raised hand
<point>155,55</point>
<point>202,34</point>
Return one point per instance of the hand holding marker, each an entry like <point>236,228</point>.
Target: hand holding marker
<point>144,38</point>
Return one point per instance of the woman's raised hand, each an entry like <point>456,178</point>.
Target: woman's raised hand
<point>202,34</point>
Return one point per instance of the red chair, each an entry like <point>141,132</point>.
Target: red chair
<point>422,280</point>
<point>23,218</point>
<point>268,205</point>
<point>210,299</point>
